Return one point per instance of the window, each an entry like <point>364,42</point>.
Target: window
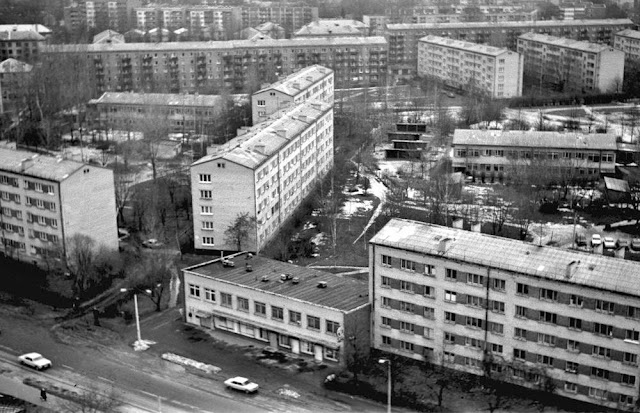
<point>571,367</point>
<point>626,400</point>
<point>407,265</point>
<point>243,303</point>
<point>429,270</point>
<point>205,178</point>
<point>406,346</point>
<point>208,241</point>
<point>386,322</point>
<point>575,323</point>
<point>570,387</point>
<point>547,294</point>
<point>474,342</point>
<point>632,335</point>
<point>633,312</point>
<point>475,301</point>
<point>449,338</point>
<point>499,284</point>
<point>206,210</point>
<point>386,302</point>
<point>521,311</point>
<point>260,308</point>
<point>546,339</point>
<point>547,317</point>
<point>449,317</point>
<point>573,346</point>
<point>450,296</point>
<point>405,306</point>
<point>226,299</point>
<point>206,194</point>
<point>313,322</point>
<point>474,322</point>
<point>386,260</point>
<point>497,307</point>
<point>473,363</point>
<point>599,351</point>
<point>630,358</point>
<point>475,279</point>
<point>331,354</point>
<point>546,360</point>
<point>207,225</point>
<point>519,354</point>
<point>520,333</point>
<point>451,275</point>
<point>604,306</point>
<point>496,348</point>
<point>628,380</point>
<point>600,373</point>
<point>261,103</point>
<point>332,327</point>
<point>429,291</point>
<point>406,286</point>
<point>210,295</point>
<point>598,393</point>
<point>407,327</point>
<point>221,165</point>
<point>295,317</point>
<point>429,313</point>
<point>576,300</point>
<point>194,290</point>
<point>523,289</point>
<point>496,328</point>
<point>603,329</point>
<point>386,282</point>
<point>284,341</point>
<point>277,313</point>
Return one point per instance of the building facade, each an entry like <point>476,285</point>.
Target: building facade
<point>46,201</point>
<point>186,114</point>
<point>207,67</point>
<point>569,65</point>
<point>102,14</point>
<point>21,45</point>
<point>265,172</point>
<point>403,38</point>
<point>312,83</point>
<point>560,155</point>
<point>14,80</point>
<point>489,70</point>
<point>629,42</point>
<point>280,305</point>
<point>528,314</point>
<point>290,17</point>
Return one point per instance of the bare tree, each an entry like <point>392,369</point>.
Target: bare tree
<point>239,231</point>
<point>153,273</point>
<point>123,183</point>
<point>93,400</point>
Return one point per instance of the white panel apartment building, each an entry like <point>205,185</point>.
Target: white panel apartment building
<point>292,314</point>
<point>579,156</point>
<point>629,42</point>
<point>472,302</point>
<point>463,65</point>
<point>571,65</point>
<point>266,171</point>
<point>312,83</point>
<point>45,201</point>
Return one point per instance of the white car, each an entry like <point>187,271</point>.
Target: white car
<point>609,242</point>
<point>596,239</point>
<point>35,360</point>
<point>242,384</point>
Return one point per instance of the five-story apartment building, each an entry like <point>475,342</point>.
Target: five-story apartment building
<point>528,314</point>
<point>45,201</point>
<point>629,42</point>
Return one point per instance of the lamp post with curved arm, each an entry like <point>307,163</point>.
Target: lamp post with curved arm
<point>388,363</point>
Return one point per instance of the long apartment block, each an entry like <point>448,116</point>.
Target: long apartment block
<point>490,70</point>
<point>490,153</point>
<point>629,42</point>
<point>45,201</point>
<point>312,83</point>
<point>206,67</point>
<point>403,38</point>
<point>571,65</point>
<point>528,314</point>
<point>298,310</point>
<point>265,172</point>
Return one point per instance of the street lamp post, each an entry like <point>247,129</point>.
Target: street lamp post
<point>139,342</point>
<point>388,363</point>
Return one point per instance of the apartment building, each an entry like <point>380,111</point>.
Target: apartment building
<point>206,67</point>
<point>147,18</point>
<point>629,42</point>
<point>266,171</point>
<point>14,80</point>
<point>403,38</point>
<point>294,309</point>
<point>333,28</point>
<point>489,70</point>
<point>529,314</point>
<point>570,65</point>
<point>491,153</point>
<point>108,36</point>
<point>192,114</point>
<point>312,83</point>
<point>24,45</point>
<point>45,201</point>
<point>38,28</point>
<point>103,14</point>
<point>290,17</point>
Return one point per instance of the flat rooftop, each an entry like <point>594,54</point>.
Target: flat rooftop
<point>552,263</point>
<point>41,166</point>
<point>522,24</point>
<point>302,78</point>
<point>342,293</point>
<point>566,43</point>
<point>158,99</point>
<point>634,34</point>
<point>535,139</point>
<point>462,45</point>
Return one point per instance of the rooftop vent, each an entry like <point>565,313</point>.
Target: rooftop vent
<point>322,284</point>
<point>295,280</point>
<point>264,278</point>
<point>228,263</point>
<point>443,245</point>
<point>571,268</point>
<point>248,267</point>
<point>286,277</point>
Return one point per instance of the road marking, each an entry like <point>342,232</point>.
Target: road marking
<point>147,393</point>
<point>161,324</point>
<point>69,367</point>
<point>7,348</point>
<point>105,379</point>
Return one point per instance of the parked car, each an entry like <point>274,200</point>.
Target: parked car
<point>623,243</point>
<point>581,240</point>
<point>152,243</point>
<point>35,360</point>
<point>242,384</point>
<point>609,242</point>
<point>596,240</point>
<point>635,244</point>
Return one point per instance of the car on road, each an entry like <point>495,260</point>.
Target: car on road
<point>609,242</point>
<point>596,240</point>
<point>451,95</point>
<point>242,384</point>
<point>623,243</point>
<point>152,243</point>
<point>635,244</point>
<point>35,360</point>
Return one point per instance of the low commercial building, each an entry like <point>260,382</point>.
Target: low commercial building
<point>265,172</point>
<point>473,67</point>
<point>629,42</point>
<point>570,65</point>
<point>312,83</point>
<point>294,309</point>
<point>45,201</point>
<point>535,316</point>
<point>560,155</point>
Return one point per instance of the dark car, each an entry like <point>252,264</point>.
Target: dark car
<point>623,243</point>
<point>581,240</point>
